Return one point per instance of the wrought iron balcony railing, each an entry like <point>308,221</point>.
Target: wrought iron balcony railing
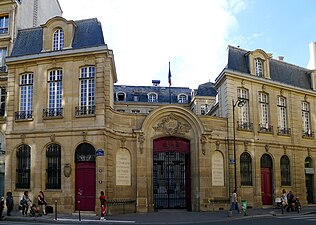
<point>52,112</point>
<point>244,125</point>
<point>308,133</point>
<point>85,110</point>
<point>265,128</point>
<point>23,115</point>
<point>284,131</point>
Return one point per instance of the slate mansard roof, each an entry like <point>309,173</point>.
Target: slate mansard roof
<point>88,33</point>
<point>143,91</point>
<point>206,89</point>
<point>280,71</point>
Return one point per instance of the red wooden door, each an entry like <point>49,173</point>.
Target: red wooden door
<point>85,186</point>
<point>266,186</point>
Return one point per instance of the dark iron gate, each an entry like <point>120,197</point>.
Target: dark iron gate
<point>169,180</point>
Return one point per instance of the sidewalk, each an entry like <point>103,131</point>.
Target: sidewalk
<point>161,217</point>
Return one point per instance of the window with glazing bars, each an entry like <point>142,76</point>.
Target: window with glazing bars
<point>282,113</point>
<point>4,24</point>
<point>87,90</point>
<point>26,96</point>
<point>23,157</point>
<point>55,93</point>
<point>306,118</point>
<point>58,40</point>
<point>259,67</point>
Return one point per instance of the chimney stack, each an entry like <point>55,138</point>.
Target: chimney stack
<point>281,58</point>
<point>312,56</point>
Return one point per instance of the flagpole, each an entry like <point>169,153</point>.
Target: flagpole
<point>169,80</point>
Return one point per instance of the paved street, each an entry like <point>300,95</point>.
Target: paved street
<point>255,216</point>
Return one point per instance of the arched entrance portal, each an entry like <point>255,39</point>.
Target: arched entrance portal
<point>85,178</point>
<point>266,179</point>
<point>171,173</point>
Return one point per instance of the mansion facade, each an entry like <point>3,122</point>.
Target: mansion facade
<point>72,133</point>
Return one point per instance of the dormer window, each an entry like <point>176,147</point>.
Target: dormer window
<point>259,67</point>
<point>152,97</point>
<point>182,98</point>
<point>120,96</point>
<point>4,24</point>
<point>58,40</point>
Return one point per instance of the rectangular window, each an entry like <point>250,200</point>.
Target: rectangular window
<point>243,111</point>
<point>3,94</point>
<point>264,112</point>
<point>282,116</point>
<point>306,119</point>
<point>4,24</point>
<point>87,91</point>
<point>259,67</point>
<point>3,54</point>
<point>26,96</point>
<point>55,92</point>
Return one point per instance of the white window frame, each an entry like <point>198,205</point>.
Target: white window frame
<point>182,98</point>
<point>58,40</point>
<point>152,97</point>
<point>55,90</point>
<point>264,110</point>
<point>282,113</point>
<point>243,111</point>
<point>306,123</point>
<point>26,92</point>
<point>87,88</point>
<point>4,24</point>
<point>259,67</point>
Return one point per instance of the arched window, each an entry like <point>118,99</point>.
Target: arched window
<point>245,169</point>
<point>23,156</point>
<point>120,96</point>
<point>85,153</point>
<point>152,97</point>
<point>58,40</point>
<point>53,155</point>
<point>259,67</point>
<point>285,171</point>
<point>182,98</point>
<point>266,161</point>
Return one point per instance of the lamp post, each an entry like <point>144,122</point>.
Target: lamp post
<point>239,103</point>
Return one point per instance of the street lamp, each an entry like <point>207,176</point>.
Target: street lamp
<point>240,103</point>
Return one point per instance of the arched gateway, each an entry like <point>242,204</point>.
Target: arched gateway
<point>171,173</point>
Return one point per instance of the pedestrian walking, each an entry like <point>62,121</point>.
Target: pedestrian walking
<point>42,202</point>
<point>9,203</point>
<point>290,198</point>
<point>103,205</point>
<point>25,202</point>
<point>234,202</point>
<point>283,200</point>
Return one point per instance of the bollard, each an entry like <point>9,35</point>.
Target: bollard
<point>55,209</point>
<point>79,210</point>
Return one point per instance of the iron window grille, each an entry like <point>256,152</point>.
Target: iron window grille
<point>52,112</point>
<point>53,155</point>
<point>245,169</point>
<point>23,156</point>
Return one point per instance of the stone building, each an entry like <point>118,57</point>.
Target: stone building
<point>72,132</point>
<point>274,105</point>
<point>65,136</point>
<point>15,15</point>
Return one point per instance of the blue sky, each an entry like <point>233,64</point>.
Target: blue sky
<point>194,34</point>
